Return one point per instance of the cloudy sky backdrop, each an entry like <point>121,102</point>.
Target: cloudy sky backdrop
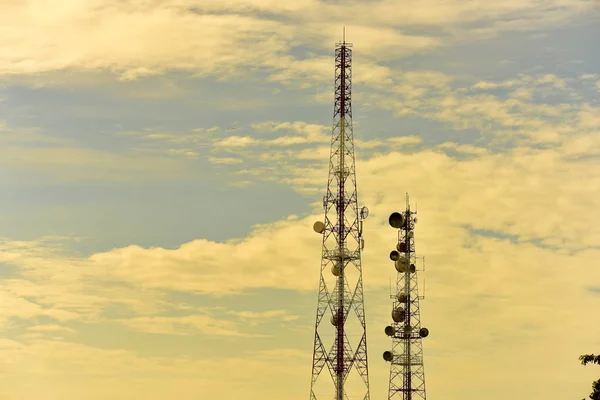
<point>162,163</point>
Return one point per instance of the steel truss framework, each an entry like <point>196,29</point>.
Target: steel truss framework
<point>407,375</point>
<point>342,301</point>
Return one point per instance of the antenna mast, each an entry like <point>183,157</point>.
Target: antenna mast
<point>407,376</point>
<point>340,282</point>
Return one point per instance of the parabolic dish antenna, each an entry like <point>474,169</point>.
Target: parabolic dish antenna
<point>364,213</point>
<point>396,220</point>
<point>319,227</point>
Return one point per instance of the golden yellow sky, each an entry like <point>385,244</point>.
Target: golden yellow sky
<point>162,164</point>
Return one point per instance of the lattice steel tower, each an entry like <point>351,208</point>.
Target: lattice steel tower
<point>340,283</point>
<point>407,376</point>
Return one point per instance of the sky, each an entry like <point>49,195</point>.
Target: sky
<point>162,163</point>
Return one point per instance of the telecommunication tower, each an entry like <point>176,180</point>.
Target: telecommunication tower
<point>340,308</point>
<point>407,376</point>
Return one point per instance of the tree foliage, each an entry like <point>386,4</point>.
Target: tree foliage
<point>593,359</point>
<point>595,390</point>
<point>589,358</point>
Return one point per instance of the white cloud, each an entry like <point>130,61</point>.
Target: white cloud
<point>235,38</point>
<point>198,137</point>
<point>507,116</point>
<point>302,133</point>
<point>16,307</point>
<point>501,118</point>
<point>51,328</point>
<point>242,183</point>
<point>122,374</point>
<point>376,41</point>
<point>188,153</point>
<point>464,148</point>
<point>225,160</point>
<point>483,294</point>
<point>253,315</point>
<point>236,141</point>
<point>522,80</point>
<point>209,322</point>
<point>525,184</point>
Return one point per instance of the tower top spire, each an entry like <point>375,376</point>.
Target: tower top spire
<point>343,43</point>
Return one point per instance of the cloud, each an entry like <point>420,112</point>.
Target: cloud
<point>123,374</point>
<point>41,155</point>
<point>236,141</point>
<point>228,40</point>
<point>105,82</point>
<point>525,183</point>
<point>76,164</point>
<point>51,328</point>
<point>515,112</point>
<point>293,159</point>
<point>135,41</point>
<point>287,354</point>
<point>302,133</point>
<point>11,136</point>
<point>225,160</point>
<point>188,153</point>
<point>52,283</point>
<point>281,315</point>
<point>208,322</point>
<point>522,111</point>
<point>521,116</point>
<point>186,325</point>
<point>498,257</point>
<point>464,148</point>
<point>15,307</point>
<point>198,137</point>
<point>242,183</point>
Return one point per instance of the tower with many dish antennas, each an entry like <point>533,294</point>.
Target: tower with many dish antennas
<point>340,342</point>
<point>407,376</point>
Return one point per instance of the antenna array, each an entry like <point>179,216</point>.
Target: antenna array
<point>407,376</point>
